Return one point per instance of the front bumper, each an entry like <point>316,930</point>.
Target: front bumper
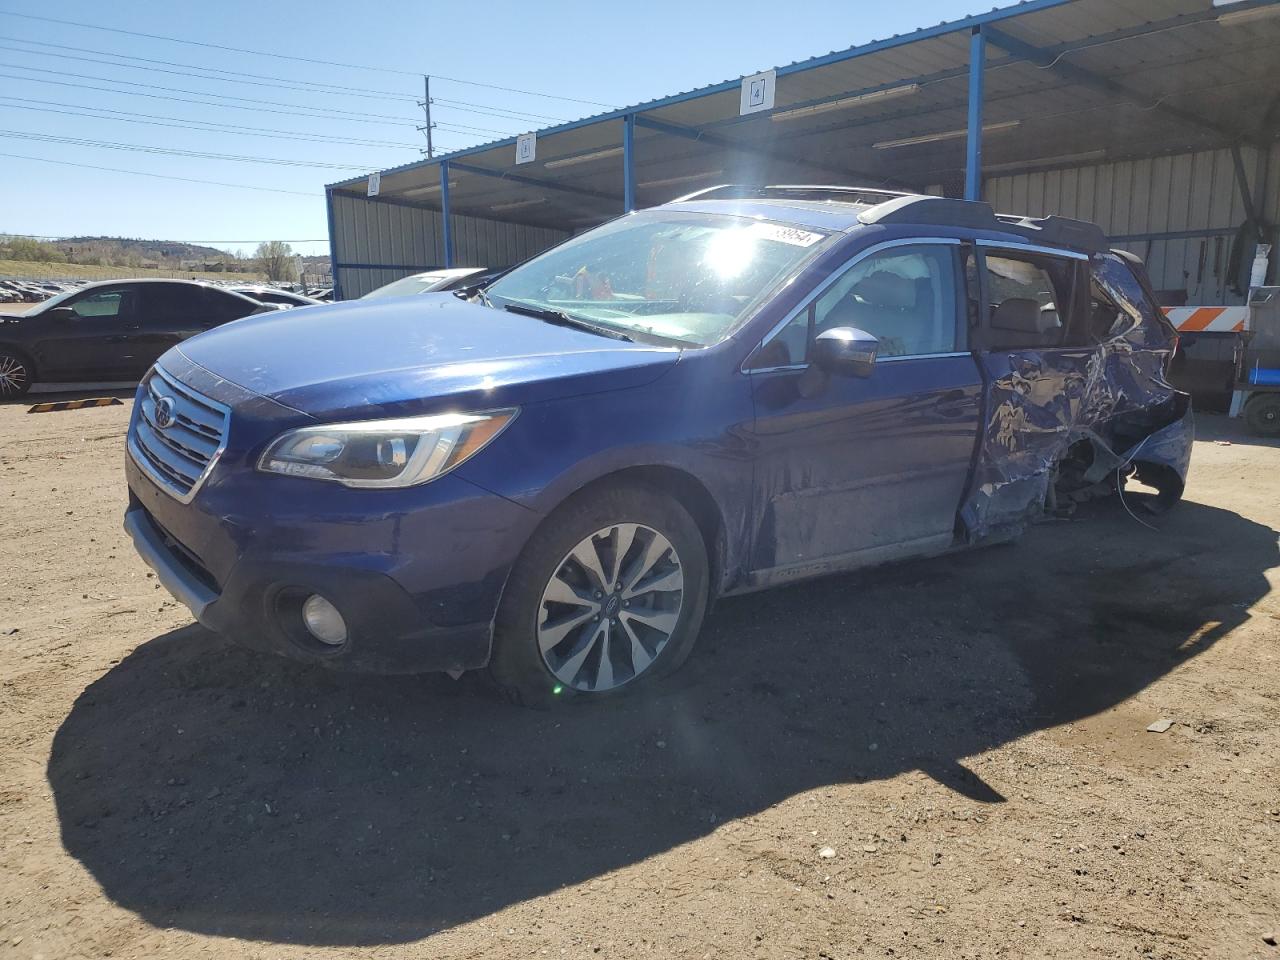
<point>416,573</point>
<point>258,608</point>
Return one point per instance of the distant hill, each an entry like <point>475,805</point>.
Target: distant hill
<point>146,249</point>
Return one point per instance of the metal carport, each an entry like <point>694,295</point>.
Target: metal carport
<point>1158,119</point>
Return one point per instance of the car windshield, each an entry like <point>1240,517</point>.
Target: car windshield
<point>407,286</point>
<point>677,276</point>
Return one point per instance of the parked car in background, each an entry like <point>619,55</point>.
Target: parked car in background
<point>111,330</point>
<point>433,281</point>
<point>555,476</point>
<point>284,298</point>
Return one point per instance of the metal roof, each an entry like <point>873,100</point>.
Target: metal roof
<point>1067,82</point>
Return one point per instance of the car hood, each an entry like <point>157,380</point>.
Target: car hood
<point>417,355</point>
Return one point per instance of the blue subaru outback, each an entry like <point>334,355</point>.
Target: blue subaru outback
<point>555,475</point>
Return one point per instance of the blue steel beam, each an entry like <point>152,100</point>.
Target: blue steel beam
<point>445,219</point>
<point>533,181</point>
<point>728,143</point>
<point>629,163</point>
<point>973,136</point>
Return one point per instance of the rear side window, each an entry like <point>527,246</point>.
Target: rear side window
<point>220,307</point>
<point>1030,301</point>
<point>1117,281</point>
<point>168,306</point>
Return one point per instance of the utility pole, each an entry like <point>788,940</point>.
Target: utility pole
<point>426,109</point>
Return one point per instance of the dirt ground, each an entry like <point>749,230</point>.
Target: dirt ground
<point>946,758</point>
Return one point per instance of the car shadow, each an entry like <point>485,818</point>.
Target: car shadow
<point>215,790</point>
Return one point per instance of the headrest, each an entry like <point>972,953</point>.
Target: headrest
<point>885,289</point>
<point>1022,314</point>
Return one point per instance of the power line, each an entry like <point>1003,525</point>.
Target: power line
<point>464,106</point>
<point>496,111</point>
<point>234,73</point>
<point>175,152</point>
<point>200,76</point>
<point>276,55</point>
<point>160,176</point>
<point>203,103</point>
<point>204,93</point>
<point>206,126</point>
<point>85,236</point>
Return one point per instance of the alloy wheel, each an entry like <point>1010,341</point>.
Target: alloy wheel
<point>13,376</point>
<point>610,607</point>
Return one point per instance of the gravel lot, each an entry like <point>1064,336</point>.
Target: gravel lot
<point>946,758</point>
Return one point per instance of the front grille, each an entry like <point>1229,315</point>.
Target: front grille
<point>181,453</point>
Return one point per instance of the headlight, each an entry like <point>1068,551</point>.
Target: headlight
<point>384,453</point>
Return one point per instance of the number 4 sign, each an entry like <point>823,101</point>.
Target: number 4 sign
<point>757,92</point>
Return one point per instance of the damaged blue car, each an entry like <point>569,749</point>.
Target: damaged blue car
<point>553,475</point>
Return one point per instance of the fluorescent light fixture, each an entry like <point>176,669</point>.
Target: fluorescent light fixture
<point>516,204</point>
<point>1234,17</point>
<point>669,181</point>
<point>433,188</point>
<point>873,97</point>
<point>1067,158</point>
<point>582,158</point>
<point>946,135</point>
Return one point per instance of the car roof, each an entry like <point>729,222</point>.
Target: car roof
<point>847,208</point>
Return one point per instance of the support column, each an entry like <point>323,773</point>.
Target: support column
<point>333,247</point>
<point>629,162</point>
<point>446,225</point>
<point>973,140</point>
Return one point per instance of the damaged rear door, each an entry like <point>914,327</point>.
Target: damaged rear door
<point>1038,359</point>
<point>851,469</point>
<point>1075,354</point>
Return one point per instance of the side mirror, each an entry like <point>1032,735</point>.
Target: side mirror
<point>846,350</point>
<point>62,313</point>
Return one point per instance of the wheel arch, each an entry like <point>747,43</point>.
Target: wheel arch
<point>18,349</point>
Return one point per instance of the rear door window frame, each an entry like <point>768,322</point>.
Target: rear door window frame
<point>1076,332</point>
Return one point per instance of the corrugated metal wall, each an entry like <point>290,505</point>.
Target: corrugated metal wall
<point>376,242</point>
<point>1144,201</point>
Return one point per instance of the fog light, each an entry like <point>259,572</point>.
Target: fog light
<point>323,621</point>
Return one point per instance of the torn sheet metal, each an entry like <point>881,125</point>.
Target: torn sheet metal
<point>1098,410</point>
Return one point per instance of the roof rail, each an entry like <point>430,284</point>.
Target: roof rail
<point>977,215</point>
<point>820,192</point>
<point>1057,230</point>
<point>895,206</point>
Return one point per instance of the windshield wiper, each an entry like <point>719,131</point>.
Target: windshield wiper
<point>562,319</point>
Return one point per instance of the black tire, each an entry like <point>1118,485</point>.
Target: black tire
<point>1262,414</point>
<point>517,665</point>
<point>16,374</point>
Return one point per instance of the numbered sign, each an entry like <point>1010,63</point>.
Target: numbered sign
<point>526,147</point>
<point>757,92</point>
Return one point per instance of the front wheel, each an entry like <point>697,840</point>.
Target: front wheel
<point>15,375</point>
<point>609,593</point>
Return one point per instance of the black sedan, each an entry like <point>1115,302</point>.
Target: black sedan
<point>113,330</point>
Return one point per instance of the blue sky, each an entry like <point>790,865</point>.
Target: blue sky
<point>611,53</point>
